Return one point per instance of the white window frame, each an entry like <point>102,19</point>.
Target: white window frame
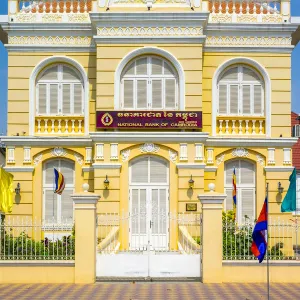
<point>60,82</point>
<point>48,186</point>
<point>149,77</point>
<point>297,194</point>
<point>240,83</point>
<point>149,165</point>
<point>240,187</point>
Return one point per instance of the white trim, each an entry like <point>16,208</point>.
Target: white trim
<point>279,169</point>
<point>210,169</point>
<point>267,88</point>
<point>107,166</point>
<point>87,169</point>
<point>32,89</point>
<point>190,166</point>
<point>151,51</point>
<point>45,141</point>
<point>19,169</point>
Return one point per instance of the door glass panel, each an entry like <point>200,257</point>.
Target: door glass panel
<point>163,211</point>
<point>155,210</point>
<point>142,212</point>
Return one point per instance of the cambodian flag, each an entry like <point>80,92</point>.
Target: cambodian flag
<point>260,234</point>
<point>59,181</point>
<point>234,192</point>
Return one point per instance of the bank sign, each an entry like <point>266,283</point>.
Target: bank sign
<point>149,119</point>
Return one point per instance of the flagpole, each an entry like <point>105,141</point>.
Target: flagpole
<point>268,266</point>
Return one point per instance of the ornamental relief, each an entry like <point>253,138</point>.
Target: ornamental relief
<point>240,152</point>
<point>51,40</point>
<point>149,148</point>
<point>149,31</point>
<point>52,18</point>
<point>241,41</point>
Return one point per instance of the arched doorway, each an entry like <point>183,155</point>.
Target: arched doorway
<point>149,203</point>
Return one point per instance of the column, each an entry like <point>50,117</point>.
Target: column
<point>13,7</point>
<point>212,237</point>
<point>85,204</point>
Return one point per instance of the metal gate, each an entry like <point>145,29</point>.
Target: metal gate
<point>122,255</point>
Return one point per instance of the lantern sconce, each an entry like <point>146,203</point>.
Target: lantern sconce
<point>191,182</point>
<point>106,183</point>
<point>18,189</point>
<point>280,188</point>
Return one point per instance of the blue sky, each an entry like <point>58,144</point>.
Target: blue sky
<point>3,71</point>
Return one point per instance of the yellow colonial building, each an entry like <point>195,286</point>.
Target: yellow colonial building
<point>148,102</point>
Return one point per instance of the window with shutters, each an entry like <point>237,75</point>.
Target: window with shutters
<point>240,92</point>
<point>149,83</point>
<point>245,179</point>
<point>58,208</point>
<point>59,91</point>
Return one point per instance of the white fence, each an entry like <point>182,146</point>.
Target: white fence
<point>136,233</point>
<point>27,239</point>
<point>283,240</point>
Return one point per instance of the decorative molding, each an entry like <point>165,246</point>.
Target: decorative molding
<point>260,159</point>
<point>240,152</point>
<point>38,159</point>
<point>210,169</point>
<point>149,31</point>
<point>107,166</point>
<point>81,41</point>
<point>245,18</point>
<point>210,156</point>
<point>149,148</point>
<point>58,152</point>
<point>245,41</point>
<point>114,151</point>
<point>125,154</point>
<point>128,3</point>
<point>173,156</point>
<point>19,169</point>
<point>220,159</point>
<point>190,166</point>
<point>183,152</point>
<point>279,169</point>
<point>79,158</point>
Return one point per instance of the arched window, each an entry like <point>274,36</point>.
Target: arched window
<point>59,91</point>
<point>240,92</point>
<point>58,208</point>
<point>149,82</point>
<point>245,179</point>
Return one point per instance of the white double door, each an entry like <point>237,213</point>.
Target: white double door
<point>149,218</point>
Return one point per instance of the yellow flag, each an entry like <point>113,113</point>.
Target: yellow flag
<point>6,191</point>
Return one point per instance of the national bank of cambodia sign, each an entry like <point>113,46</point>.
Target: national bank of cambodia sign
<point>149,119</point>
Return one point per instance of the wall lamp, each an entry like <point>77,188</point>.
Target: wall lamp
<point>18,189</point>
<point>106,183</point>
<point>280,188</point>
<point>191,182</point>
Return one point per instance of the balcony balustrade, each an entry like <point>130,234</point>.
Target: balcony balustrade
<point>240,126</point>
<point>59,125</point>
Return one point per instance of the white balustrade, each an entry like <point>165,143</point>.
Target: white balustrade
<point>245,127</point>
<point>59,126</point>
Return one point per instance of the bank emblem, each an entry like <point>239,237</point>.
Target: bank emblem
<point>107,119</point>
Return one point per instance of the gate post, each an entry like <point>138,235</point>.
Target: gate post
<point>212,241</point>
<point>85,205</point>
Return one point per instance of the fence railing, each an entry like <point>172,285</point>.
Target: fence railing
<point>136,232</point>
<point>283,239</point>
<point>27,239</point>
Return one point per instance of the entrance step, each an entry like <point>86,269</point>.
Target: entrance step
<point>148,279</point>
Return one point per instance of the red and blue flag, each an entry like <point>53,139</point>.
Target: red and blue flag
<point>260,234</point>
<point>234,192</point>
<point>59,181</point>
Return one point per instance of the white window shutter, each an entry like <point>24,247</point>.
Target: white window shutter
<point>142,211</point>
<point>128,93</point>
<point>155,210</point>
<point>258,99</point>
<point>134,211</point>
<point>246,103</point>
<point>49,172</point>
<point>247,201</point>
<point>66,99</point>
<point>222,99</point>
<point>170,93</point>
<point>229,199</point>
<point>77,99</point>
<point>163,211</point>
<point>50,74</point>
<point>234,99</point>
<point>139,171</point>
<point>230,75</point>
<point>70,74</point>
<point>67,205</point>
<point>141,66</point>
<point>229,171</point>
<point>168,70</point>
<point>50,200</point>
<point>141,93</point>
<point>67,169</point>
<point>130,69</point>
<point>158,171</point>
<point>249,75</point>
<point>53,99</point>
<point>156,93</point>
<point>247,173</point>
<point>42,94</point>
<point>157,66</point>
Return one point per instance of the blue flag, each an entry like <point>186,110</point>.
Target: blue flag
<point>289,202</point>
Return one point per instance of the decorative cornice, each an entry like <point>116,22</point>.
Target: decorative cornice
<point>19,169</point>
<point>49,48</point>
<point>190,166</point>
<point>107,166</point>
<point>210,169</point>
<point>279,169</point>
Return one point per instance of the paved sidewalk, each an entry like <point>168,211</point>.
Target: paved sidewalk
<point>149,291</point>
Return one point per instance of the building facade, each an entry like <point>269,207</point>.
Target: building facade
<point>148,102</point>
